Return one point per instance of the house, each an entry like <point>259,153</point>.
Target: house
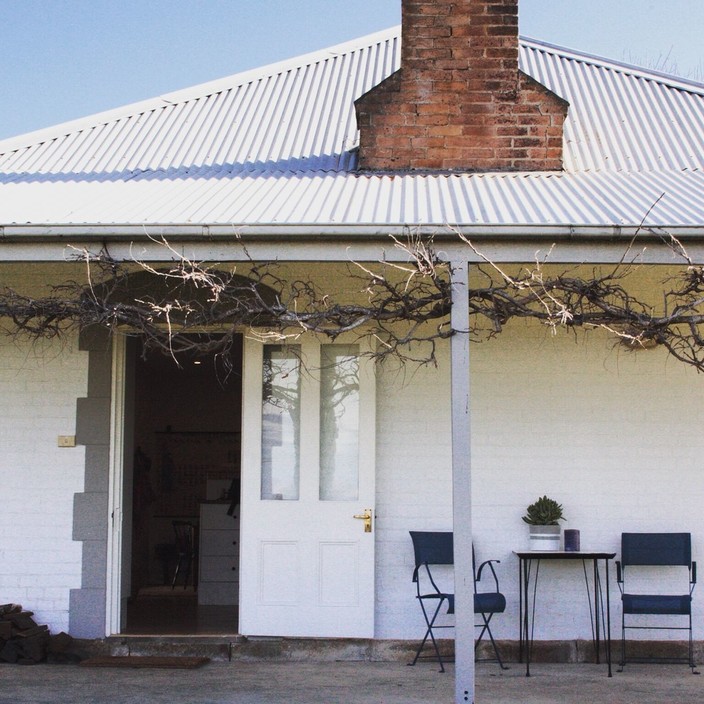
<point>269,165</point>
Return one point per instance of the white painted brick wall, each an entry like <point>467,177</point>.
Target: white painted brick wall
<point>414,484</point>
<point>614,436</point>
<point>39,562</point>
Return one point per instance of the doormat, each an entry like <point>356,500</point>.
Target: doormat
<point>167,662</point>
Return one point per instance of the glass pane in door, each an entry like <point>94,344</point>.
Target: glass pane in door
<point>339,423</point>
<point>281,423</point>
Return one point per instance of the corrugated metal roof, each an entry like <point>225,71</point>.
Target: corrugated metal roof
<point>342,199</point>
<point>621,118</point>
<point>276,145</point>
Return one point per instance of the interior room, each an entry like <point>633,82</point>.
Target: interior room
<point>185,493</point>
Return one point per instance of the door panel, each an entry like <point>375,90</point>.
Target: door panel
<point>307,564</point>
<point>338,567</point>
<point>279,572</point>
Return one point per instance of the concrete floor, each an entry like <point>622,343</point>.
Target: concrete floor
<point>165,614</point>
<point>345,683</point>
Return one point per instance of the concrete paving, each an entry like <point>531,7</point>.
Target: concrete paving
<point>345,683</point>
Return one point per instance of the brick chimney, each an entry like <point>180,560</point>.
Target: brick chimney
<point>459,101</point>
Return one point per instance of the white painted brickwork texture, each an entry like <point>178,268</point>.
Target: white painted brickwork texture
<point>614,436</point>
<point>39,561</point>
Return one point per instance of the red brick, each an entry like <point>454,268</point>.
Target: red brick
<point>433,53</point>
<point>449,130</point>
<point>512,131</point>
<point>430,120</point>
<point>459,101</point>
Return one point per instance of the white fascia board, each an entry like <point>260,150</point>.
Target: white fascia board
<point>343,244</point>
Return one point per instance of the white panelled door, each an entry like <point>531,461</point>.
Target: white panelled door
<point>308,454</point>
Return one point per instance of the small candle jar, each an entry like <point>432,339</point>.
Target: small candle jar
<point>571,540</point>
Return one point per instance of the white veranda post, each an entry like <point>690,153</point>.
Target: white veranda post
<point>461,486</point>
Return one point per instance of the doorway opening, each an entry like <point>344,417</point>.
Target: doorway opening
<point>182,478</point>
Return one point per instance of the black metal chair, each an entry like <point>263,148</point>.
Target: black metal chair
<point>435,548</point>
<point>487,604</point>
<point>186,547</point>
<point>432,548</point>
<point>666,550</point>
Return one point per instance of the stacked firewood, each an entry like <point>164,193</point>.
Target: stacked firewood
<point>22,640</point>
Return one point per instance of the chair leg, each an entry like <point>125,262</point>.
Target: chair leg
<point>690,652</point>
<point>182,562</point>
<point>692,664</point>
<point>176,571</point>
<point>429,634</point>
<point>486,629</point>
<point>622,664</point>
<point>437,651</point>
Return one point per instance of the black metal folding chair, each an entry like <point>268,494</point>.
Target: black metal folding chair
<point>432,548</point>
<point>435,548</point>
<point>671,550</point>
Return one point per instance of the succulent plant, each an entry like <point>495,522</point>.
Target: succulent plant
<point>544,512</point>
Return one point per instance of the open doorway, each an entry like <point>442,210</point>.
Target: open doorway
<point>184,556</point>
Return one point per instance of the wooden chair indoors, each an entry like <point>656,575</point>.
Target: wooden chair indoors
<point>187,553</point>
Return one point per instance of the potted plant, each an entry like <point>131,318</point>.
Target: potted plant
<point>542,516</point>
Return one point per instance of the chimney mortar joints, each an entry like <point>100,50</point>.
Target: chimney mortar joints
<point>459,97</point>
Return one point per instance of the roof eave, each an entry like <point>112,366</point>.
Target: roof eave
<point>332,231</point>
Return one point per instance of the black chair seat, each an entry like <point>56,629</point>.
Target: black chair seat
<point>450,598</point>
<point>489,602</point>
<point>671,604</point>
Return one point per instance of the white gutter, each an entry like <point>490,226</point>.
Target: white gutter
<point>576,244</point>
<point>330,231</point>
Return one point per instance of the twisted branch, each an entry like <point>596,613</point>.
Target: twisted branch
<point>405,307</point>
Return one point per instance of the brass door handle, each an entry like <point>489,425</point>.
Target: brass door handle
<point>367,518</point>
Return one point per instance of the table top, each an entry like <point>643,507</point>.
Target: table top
<point>564,555</point>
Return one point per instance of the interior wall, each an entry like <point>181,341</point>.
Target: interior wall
<point>613,435</point>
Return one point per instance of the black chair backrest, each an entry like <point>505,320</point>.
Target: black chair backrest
<point>432,548</point>
<point>656,549</point>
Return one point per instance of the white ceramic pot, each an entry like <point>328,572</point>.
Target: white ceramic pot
<point>544,538</point>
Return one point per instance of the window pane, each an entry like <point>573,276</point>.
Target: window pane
<point>281,422</point>
<point>339,423</point>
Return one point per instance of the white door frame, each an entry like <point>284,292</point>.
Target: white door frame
<point>113,582</point>
<point>115,515</point>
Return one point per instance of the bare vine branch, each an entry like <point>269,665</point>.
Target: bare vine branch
<point>197,307</point>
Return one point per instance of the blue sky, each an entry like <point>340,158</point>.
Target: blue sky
<point>64,59</point>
